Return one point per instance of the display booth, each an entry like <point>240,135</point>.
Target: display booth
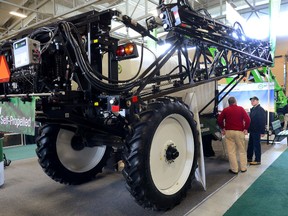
<point>244,91</point>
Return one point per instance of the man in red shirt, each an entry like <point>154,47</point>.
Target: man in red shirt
<point>234,122</point>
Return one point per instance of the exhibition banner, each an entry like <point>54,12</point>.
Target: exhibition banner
<point>17,116</point>
<point>244,91</point>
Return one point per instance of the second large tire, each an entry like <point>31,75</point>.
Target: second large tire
<point>63,163</point>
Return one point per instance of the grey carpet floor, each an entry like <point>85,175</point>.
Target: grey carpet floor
<point>27,191</point>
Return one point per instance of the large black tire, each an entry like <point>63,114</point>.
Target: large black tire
<point>161,156</point>
<point>61,162</point>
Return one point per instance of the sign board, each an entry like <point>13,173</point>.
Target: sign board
<point>244,91</point>
<point>17,116</point>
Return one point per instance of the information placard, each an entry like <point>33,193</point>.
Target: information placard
<point>18,116</point>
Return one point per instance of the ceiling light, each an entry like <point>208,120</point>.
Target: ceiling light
<point>18,14</point>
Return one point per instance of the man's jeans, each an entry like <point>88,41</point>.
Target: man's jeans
<point>254,147</point>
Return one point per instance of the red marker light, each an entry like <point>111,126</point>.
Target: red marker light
<point>134,99</point>
<point>120,51</point>
<point>115,108</point>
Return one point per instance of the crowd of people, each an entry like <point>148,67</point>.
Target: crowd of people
<point>235,123</point>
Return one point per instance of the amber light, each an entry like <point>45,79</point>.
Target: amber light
<point>129,49</point>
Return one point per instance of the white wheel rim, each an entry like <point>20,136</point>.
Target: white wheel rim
<point>170,176</point>
<point>74,160</point>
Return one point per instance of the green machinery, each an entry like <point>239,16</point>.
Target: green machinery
<point>264,75</point>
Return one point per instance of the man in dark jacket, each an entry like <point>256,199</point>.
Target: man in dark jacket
<point>256,130</point>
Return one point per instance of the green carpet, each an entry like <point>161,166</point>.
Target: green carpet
<point>268,195</point>
<point>20,152</point>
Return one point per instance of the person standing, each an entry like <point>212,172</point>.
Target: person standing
<point>234,122</point>
<point>256,130</point>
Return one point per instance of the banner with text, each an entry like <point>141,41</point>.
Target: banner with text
<point>17,116</point>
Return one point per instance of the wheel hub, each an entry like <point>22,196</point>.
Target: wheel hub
<point>171,153</point>
<point>77,143</point>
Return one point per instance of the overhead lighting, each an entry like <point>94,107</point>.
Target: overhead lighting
<point>18,14</point>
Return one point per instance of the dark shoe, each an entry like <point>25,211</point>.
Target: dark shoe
<point>255,163</point>
<point>249,160</point>
<point>243,171</point>
<point>231,171</point>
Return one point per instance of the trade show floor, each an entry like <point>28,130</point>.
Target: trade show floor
<point>27,191</point>
<point>259,191</point>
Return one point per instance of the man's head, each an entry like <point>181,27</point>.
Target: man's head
<point>232,100</point>
<point>254,100</point>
